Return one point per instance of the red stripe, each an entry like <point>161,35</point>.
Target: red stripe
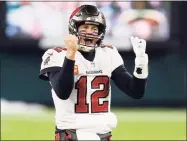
<point>75,12</point>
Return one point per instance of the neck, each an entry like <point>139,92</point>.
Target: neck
<point>88,55</point>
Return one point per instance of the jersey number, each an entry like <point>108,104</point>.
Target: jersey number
<point>82,106</point>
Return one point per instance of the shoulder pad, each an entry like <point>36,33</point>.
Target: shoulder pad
<point>53,52</point>
<point>107,46</point>
<point>53,57</point>
<point>111,47</point>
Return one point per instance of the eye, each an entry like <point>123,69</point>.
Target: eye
<point>82,29</point>
<point>95,30</point>
<point>85,27</point>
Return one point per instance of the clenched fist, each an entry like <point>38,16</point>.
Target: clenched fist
<point>71,42</point>
<point>139,46</point>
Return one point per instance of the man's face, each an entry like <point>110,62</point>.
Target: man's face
<point>87,33</point>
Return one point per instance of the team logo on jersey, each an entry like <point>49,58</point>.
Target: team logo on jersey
<point>47,60</point>
<point>76,70</point>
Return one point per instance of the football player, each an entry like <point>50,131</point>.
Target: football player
<point>80,75</point>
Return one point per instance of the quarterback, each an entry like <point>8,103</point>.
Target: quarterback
<point>80,75</point>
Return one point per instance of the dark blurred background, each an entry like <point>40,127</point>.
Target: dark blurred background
<point>28,29</point>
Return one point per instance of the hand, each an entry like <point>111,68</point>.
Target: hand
<point>141,60</point>
<point>139,46</point>
<point>71,42</point>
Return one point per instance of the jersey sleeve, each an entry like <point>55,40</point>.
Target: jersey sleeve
<point>52,60</point>
<point>116,59</point>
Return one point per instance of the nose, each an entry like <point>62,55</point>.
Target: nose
<point>89,31</point>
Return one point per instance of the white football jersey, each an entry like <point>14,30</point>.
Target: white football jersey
<point>88,107</point>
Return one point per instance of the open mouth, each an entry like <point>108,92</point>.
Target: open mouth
<point>88,42</point>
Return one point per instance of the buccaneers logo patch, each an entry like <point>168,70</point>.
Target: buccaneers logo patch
<point>76,70</point>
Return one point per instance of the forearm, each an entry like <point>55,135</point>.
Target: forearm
<point>130,85</point>
<point>138,87</point>
<point>63,81</point>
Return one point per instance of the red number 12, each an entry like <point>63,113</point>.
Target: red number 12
<point>82,106</point>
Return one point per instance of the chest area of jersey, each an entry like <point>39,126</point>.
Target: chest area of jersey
<point>99,66</point>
